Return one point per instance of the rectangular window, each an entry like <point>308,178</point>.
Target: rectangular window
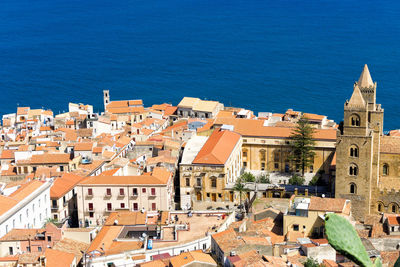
<point>39,249</point>
<point>187,181</point>
<point>121,192</point>
<point>28,249</point>
<point>153,206</point>
<point>134,191</point>
<point>295,227</point>
<point>90,191</point>
<point>122,205</point>
<point>311,168</point>
<point>49,238</point>
<point>198,181</point>
<point>245,164</point>
<point>11,250</point>
<point>153,191</point>
<point>143,190</point>
<point>244,154</point>
<point>108,192</point>
<point>90,206</point>
<point>91,214</point>
<point>135,206</point>
<point>109,206</point>
<point>262,166</point>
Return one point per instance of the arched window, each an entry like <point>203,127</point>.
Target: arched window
<point>385,169</point>
<point>354,151</point>
<point>353,169</point>
<point>394,208</point>
<point>262,155</point>
<point>213,182</point>
<point>355,120</point>
<point>380,207</point>
<point>353,189</point>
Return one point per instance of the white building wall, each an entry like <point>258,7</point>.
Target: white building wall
<point>31,212</point>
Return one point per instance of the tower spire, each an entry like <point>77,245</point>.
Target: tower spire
<point>356,100</point>
<point>365,79</point>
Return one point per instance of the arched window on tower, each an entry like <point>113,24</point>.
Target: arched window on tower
<point>353,188</point>
<point>354,151</point>
<point>385,169</point>
<point>355,120</point>
<point>394,208</point>
<point>353,169</point>
<point>380,207</point>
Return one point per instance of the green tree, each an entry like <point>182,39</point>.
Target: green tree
<point>240,188</point>
<point>296,180</point>
<point>49,220</point>
<point>302,144</point>
<point>310,262</point>
<point>247,177</point>
<point>263,179</point>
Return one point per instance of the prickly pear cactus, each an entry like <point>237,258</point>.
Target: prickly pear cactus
<point>397,264</point>
<point>343,238</point>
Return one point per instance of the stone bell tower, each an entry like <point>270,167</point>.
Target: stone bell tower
<point>106,98</point>
<point>357,147</point>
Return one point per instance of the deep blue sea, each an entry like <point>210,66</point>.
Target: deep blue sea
<point>265,55</point>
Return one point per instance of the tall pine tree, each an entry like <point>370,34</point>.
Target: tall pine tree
<point>302,143</point>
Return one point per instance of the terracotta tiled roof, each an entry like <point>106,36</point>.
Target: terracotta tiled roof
<point>7,154</point>
<point>155,263</point>
<point>170,111</point>
<point>21,234</point>
<point>105,239</point>
<point>50,158</point>
<point>329,263</point>
<point>23,110</point>
<point>109,172</point>
<point>160,176</point>
<point>29,258</point>
<point>327,204</point>
<point>393,219</point>
<point>64,184</point>
<point>390,144</point>
<point>275,261</point>
<point>389,257</point>
<point>126,218</point>
<point>218,148</point>
<point>58,258</point>
<point>83,146</point>
<point>227,240</point>
<point>71,246</point>
<point>193,256</point>
<point>26,189</point>
<point>256,128</point>
<point>313,117</point>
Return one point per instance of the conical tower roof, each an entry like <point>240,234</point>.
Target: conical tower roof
<point>356,100</point>
<point>365,78</point>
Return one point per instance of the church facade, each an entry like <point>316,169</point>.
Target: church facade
<point>367,161</point>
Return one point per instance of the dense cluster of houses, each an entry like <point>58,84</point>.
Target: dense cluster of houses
<point>154,186</point>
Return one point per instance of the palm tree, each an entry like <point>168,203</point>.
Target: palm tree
<point>240,188</point>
